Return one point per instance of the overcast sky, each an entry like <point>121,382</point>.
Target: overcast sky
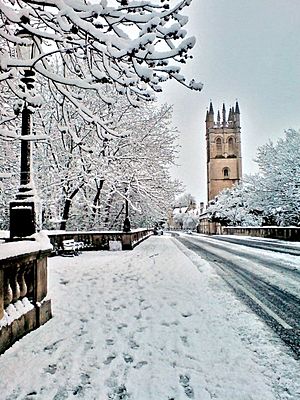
<point>247,50</point>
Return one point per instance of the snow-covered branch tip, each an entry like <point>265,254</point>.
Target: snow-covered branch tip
<point>128,44</point>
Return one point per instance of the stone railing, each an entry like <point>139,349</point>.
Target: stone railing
<point>272,232</point>
<point>100,240</point>
<point>23,289</point>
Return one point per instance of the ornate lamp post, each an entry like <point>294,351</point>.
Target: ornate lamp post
<point>25,210</point>
<point>126,223</point>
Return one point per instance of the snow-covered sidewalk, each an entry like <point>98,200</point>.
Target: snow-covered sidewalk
<point>155,323</point>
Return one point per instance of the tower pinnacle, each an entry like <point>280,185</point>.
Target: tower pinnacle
<point>224,114</point>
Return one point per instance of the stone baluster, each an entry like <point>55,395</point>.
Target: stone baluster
<point>8,293</point>
<point>29,280</point>
<point>22,283</point>
<point>15,286</point>
<point>1,294</point>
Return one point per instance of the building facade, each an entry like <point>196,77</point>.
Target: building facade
<point>223,144</point>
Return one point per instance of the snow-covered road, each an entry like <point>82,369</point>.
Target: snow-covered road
<point>148,324</point>
<point>268,281</point>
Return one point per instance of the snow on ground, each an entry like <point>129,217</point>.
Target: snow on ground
<point>155,323</point>
<point>261,262</point>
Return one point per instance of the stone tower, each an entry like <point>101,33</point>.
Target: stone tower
<point>223,143</point>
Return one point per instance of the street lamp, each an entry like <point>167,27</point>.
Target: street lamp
<point>25,214</point>
<point>126,223</point>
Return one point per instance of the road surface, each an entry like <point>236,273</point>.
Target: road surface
<point>264,273</point>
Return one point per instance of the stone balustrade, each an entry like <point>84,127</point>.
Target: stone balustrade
<point>273,232</point>
<point>23,290</point>
<point>100,240</point>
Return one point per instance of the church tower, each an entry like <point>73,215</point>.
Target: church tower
<point>223,143</point>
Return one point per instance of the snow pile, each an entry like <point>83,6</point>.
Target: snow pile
<point>15,311</point>
<point>115,245</point>
<point>13,249</point>
<point>43,240</point>
<point>155,323</point>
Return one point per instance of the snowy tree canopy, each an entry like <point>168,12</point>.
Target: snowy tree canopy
<point>84,178</point>
<point>133,45</point>
<point>276,189</point>
<point>122,168</point>
<point>231,207</point>
<point>270,197</point>
<point>185,200</point>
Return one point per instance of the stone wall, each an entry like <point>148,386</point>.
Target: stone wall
<point>23,291</point>
<point>100,240</point>
<point>272,232</point>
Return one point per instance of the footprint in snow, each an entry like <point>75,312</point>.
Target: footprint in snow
<point>85,379</point>
<point>109,359</point>
<point>186,314</point>
<point>51,348</point>
<point>110,342</point>
<point>79,390</point>
<point>51,369</point>
<point>89,345</point>
<point>64,282</point>
<point>184,340</point>
<point>121,326</point>
<point>133,345</point>
<point>138,316</point>
<point>82,332</point>
<point>119,393</point>
<point>128,358</point>
<point>29,396</point>
<point>184,380</point>
<point>140,364</point>
<point>61,394</point>
<point>154,255</point>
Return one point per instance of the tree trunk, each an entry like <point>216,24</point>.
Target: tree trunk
<point>108,208</point>
<point>96,200</point>
<point>67,207</point>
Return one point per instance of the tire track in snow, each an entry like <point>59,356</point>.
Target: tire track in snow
<point>278,308</point>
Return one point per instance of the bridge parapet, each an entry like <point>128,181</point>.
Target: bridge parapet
<point>291,233</point>
<point>23,289</point>
<point>100,240</point>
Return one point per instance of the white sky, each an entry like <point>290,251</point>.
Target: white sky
<point>247,50</point>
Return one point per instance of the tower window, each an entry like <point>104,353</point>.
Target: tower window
<point>219,146</point>
<point>226,173</point>
<point>230,146</point>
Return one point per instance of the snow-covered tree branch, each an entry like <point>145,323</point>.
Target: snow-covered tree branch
<point>133,45</point>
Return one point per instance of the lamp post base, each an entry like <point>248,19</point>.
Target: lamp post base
<point>24,218</point>
<point>126,225</point>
